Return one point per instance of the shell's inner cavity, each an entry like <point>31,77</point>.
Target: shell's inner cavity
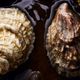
<point>63,39</point>
<point>16,36</point>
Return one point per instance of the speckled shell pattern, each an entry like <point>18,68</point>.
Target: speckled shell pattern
<point>63,41</point>
<point>16,38</point>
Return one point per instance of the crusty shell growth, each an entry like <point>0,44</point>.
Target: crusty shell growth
<point>63,41</point>
<point>16,38</point>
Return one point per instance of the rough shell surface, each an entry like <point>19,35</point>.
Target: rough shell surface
<point>16,38</point>
<point>63,41</point>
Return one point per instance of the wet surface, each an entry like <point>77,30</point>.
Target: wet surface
<point>39,11</point>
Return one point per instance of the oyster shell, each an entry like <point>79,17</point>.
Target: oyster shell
<point>63,41</point>
<point>16,38</point>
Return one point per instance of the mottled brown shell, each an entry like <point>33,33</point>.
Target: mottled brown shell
<point>63,41</point>
<point>16,38</point>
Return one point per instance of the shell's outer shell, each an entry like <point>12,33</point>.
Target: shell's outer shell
<point>16,38</point>
<point>62,41</point>
<point>72,4</point>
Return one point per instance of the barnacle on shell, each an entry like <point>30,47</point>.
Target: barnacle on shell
<point>63,41</point>
<point>16,38</point>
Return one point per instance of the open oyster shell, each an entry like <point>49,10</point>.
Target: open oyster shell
<point>63,41</point>
<point>16,38</point>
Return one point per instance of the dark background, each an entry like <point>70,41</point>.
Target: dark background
<point>38,60</point>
